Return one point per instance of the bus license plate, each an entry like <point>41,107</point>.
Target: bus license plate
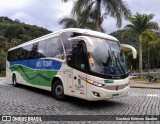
<point>114,95</point>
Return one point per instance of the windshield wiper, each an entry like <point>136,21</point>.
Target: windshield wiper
<point>119,63</point>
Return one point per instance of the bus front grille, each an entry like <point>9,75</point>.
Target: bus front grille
<point>115,87</point>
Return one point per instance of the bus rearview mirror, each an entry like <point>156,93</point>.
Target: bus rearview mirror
<point>134,51</point>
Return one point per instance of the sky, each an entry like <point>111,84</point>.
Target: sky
<point>47,13</point>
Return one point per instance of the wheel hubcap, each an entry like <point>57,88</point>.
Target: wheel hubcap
<point>59,90</point>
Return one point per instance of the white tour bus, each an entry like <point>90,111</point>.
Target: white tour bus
<point>74,62</point>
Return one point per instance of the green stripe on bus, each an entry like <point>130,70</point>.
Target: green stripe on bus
<point>35,77</point>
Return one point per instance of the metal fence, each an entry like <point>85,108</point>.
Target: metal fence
<point>146,71</point>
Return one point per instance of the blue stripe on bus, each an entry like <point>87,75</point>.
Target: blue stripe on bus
<point>46,64</point>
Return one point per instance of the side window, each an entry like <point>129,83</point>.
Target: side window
<point>41,49</point>
<point>18,54</point>
<point>68,44</point>
<point>14,55</point>
<point>10,55</point>
<point>22,53</point>
<point>26,51</point>
<point>78,56</point>
<point>33,51</point>
<point>54,48</point>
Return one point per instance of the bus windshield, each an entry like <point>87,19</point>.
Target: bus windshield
<point>107,58</point>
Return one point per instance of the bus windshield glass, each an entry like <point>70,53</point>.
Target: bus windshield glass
<point>107,58</point>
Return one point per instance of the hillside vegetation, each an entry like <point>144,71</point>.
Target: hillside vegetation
<point>14,32</point>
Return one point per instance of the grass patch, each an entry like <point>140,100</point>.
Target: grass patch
<point>3,74</point>
<point>158,81</point>
<point>139,79</point>
<point>144,79</point>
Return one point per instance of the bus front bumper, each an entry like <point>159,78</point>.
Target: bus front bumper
<point>98,93</point>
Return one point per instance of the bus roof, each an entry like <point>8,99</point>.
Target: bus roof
<point>77,30</point>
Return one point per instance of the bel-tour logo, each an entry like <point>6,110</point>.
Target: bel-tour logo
<point>44,64</point>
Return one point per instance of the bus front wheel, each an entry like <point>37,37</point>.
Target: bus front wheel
<point>14,80</point>
<point>58,90</point>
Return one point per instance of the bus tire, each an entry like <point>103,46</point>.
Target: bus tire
<point>14,80</point>
<point>58,90</point>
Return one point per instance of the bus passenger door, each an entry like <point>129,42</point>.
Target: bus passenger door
<point>79,69</point>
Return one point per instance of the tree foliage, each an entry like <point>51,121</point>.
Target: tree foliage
<point>13,33</point>
<point>85,19</point>
<point>141,24</point>
<point>117,9</point>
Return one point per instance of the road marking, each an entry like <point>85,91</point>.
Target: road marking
<point>153,95</point>
<point>136,94</point>
<point>147,95</point>
<point>1,83</point>
<point>2,77</point>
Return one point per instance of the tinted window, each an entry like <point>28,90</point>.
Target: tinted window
<point>78,56</point>
<point>10,56</point>
<point>25,51</point>
<point>28,50</point>
<point>34,52</point>
<point>14,54</point>
<point>54,48</point>
<point>50,47</point>
<point>68,44</point>
<point>41,49</point>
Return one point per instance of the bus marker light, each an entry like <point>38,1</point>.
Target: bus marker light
<point>96,94</point>
<point>90,81</point>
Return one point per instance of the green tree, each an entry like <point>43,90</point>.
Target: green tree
<point>141,24</point>
<point>3,60</point>
<point>3,43</point>
<point>84,20</point>
<point>13,33</point>
<point>115,8</point>
<point>71,22</point>
<point>155,53</point>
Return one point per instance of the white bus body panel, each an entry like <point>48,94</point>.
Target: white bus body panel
<point>77,87</point>
<point>110,89</point>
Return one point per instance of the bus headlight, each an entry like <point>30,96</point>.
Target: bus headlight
<point>95,83</point>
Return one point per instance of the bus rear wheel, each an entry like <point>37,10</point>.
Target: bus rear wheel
<point>58,90</point>
<point>14,80</point>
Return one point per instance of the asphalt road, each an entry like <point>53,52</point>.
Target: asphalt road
<point>25,100</point>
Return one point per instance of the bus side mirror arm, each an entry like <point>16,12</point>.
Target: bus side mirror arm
<point>134,51</point>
